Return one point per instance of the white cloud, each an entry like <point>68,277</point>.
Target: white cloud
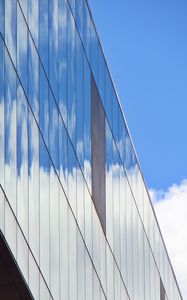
<point>171,211</point>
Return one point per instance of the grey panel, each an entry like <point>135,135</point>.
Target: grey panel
<point>162,291</point>
<point>98,154</point>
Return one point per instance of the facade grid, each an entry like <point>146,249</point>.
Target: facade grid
<point>74,208</point>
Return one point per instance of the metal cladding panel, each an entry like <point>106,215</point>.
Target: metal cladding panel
<point>98,154</point>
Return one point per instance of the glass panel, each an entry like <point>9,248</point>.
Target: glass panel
<point>79,17</point>
<point>62,23</point>
<point>141,260</point>
<point>64,250</point>
<point>33,19</point>
<point>88,220</point>
<point>33,152</point>
<point>54,234</point>
<point>2,112</point>
<point>72,5</point>
<point>110,274</point>
<point>63,145</point>
<point>96,288</point>
<point>53,132</point>
<point>79,101</point>
<point>53,47</point>
<point>102,260</point>
<point>44,211</point>
<point>122,137</point>
<point>87,25</point>
<point>129,241</point>
<point>22,161</point>
<point>117,284</point>
<point>43,33</point>
<point>147,270</point>
<point>10,229</point>
<point>10,133</point>
<point>2,211</point>
<point>10,28</point>
<point>116,207</point>
<point>108,101</point>
<point>23,4</point>
<point>71,76</point>
<point>80,267</point>
<point>123,229</point>
<point>34,278</point>
<point>80,200</point>
<point>87,124</point>
<point>72,259</point>
<point>88,278</point>
<point>44,292</point>
<point>22,44</point>
<point>72,175</point>
<point>22,254</point>
<point>94,53</point>
<point>2,17</point>
<point>95,234</point>
<point>102,76</point>
<point>109,187</point>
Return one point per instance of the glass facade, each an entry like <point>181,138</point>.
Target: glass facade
<point>74,207</point>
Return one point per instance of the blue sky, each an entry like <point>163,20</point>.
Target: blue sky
<point>145,44</point>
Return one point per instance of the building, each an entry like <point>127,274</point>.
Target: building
<point>76,219</point>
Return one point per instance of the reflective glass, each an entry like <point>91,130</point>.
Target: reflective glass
<point>87,25</point>
<point>72,5</point>
<point>2,211</point>
<point>2,124</point>
<point>33,11</point>
<point>43,33</point>
<point>94,52</point>
<point>53,47</point>
<point>80,268</point>
<point>110,274</point>
<point>24,5</point>
<point>88,278</point>
<point>44,210</point>
<point>88,220</point>
<point>129,225</point>
<point>87,124</point>
<point>62,84</point>
<point>79,101</point>
<point>2,17</point>
<point>72,258</point>
<point>33,149</point>
<point>22,161</point>
<point>71,76</point>
<point>63,159</point>
<point>10,132</point>
<point>80,200</point>
<point>35,283</point>
<point>22,255</point>
<point>109,187</point>
<point>72,175</point>
<point>64,247</point>
<point>117,284</point>
<point>115,115</point>
<point>10,28</point>
<point>123,229</point>
<point>54,234</point>
<point>22,50</point>
<point>101,74</point>
<point>53,132</point>
<point>109,93</point>
<point>116,203</point>
<point>79,16</point>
